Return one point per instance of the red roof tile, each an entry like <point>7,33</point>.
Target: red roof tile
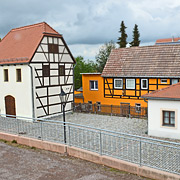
<point>167,40</point>
<point>170,92</point>
<point>19,45</point>
<point>144,61</point>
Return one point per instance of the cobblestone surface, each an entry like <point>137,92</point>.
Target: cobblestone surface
<point>27,164</point>
<point>114,123</point>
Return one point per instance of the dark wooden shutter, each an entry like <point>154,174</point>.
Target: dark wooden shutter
<point>46,70</point>
<point>61,70</point>
<point>53,48</point>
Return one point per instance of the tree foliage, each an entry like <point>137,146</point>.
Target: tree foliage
<point>82,67</point>
<point>136,35</point>
<point>0,39</point>
<point>122,40</point>
<point>103,55</point>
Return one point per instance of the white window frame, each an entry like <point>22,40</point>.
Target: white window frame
<point>163,82</point>
<point>115,83</point>
<point>142,83</point>
<point>95,89</point>
<point>130,87</point>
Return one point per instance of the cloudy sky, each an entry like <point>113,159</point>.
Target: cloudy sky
<point>88,24</point>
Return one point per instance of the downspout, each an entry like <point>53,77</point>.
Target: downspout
<point>73,84</point>
<point>32,91</point>
<point>145,100</point>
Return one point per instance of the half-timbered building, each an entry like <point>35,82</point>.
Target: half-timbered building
<point>35,64</point>
<point>131,72</point>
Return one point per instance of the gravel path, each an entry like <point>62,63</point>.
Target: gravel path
<point>114,123</point>
<point>27,164</point>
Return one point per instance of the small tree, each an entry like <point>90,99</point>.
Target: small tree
<point>0,39</point>
<point>136,35</point>
<point>122,40</point>
<point>82,67</point>
<point>103,55</point>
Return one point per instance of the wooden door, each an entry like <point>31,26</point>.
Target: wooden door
<point>10,105</point>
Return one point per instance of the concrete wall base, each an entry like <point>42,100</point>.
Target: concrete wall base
<point>93,157</point>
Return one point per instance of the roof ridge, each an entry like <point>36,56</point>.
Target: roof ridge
<point>28,26</point>
<point>138,47</point>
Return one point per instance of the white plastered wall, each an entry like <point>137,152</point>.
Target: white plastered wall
<point>21,91</point>
<point>155,127</point>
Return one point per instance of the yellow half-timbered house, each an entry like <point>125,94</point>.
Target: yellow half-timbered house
<point>132,72</point>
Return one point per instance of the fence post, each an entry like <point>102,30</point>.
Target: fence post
<point>111,109</point>
<point>69,135</point>
<point>140,152</point>
<point>41,130</point>
<point>95,108</point>
<point>100,142</point>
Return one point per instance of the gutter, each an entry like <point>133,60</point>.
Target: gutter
<point>32,91</point>
<point>73,83</point>
<point>162,98</point>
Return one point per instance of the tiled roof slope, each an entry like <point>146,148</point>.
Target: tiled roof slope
<point>145,61</point>
<point>172,92</point>
<point>19,45</point>
<point>167,40</point>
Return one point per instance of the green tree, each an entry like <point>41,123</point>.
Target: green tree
<point>136,35</point>
<point>122,39</point>
<point>82,67</point>
<point>103,55</point>
<point>0,39</point>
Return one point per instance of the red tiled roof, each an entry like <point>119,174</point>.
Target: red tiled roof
<point>168,40</point>
<point>170,92</point>
<point>144,61</point>
<point>19,45</point>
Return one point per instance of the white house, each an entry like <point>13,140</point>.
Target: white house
<point>35,63</point>
<point>164,112</point>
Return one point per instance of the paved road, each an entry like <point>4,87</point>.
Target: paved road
<point>22,163</point>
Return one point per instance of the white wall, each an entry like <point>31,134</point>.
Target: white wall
<point>155,127</point>
<point>21,91</point>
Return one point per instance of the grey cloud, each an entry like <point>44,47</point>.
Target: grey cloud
<point>91,21</point>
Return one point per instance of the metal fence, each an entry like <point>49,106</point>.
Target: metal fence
<point>158,154</point>
<point>115,110</point>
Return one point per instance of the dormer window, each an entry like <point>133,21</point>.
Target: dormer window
<point>53,48</point>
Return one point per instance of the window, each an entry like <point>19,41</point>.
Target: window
<point>46,71</point>
<point>6,77</point>
<point>163,81</point>
<point>174,81</point>
<point>138,108</point>
<point>130,83</point>
<point>144,84</point>
<point>18,75</point>
<point>93,85</point>
<point>90,105</point>
<point>118,83</point>
<point>98,106</point>
<point>53,48</point>
<point>61,70</point>
<point>169,118</point>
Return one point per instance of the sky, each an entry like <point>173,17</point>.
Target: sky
<point>87,24</point>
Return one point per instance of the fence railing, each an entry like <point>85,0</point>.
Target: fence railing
<point>115,110</point>
<point>158,154</point>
